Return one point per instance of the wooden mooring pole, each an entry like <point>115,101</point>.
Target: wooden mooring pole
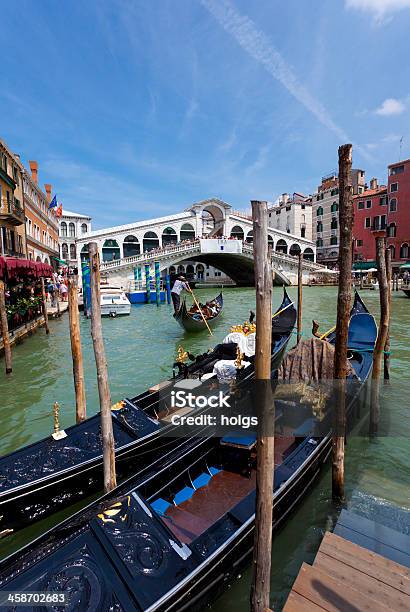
<point>387,344</point>
<point>343,314</point>
<point>76,351</point>
<point>4,328</point>
<point>260,590</point>
<point>110,480</point>
<point>381,336</point>
<point>44,306</point>
<point>300,285</point>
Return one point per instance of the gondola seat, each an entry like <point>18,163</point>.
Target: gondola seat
<point>201,480</point>
<point>245,442</point>
<point>183,495</point>
<point>160,506</point>
<point>357,333</point>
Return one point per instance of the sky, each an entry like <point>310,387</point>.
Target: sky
<point>136,109</point>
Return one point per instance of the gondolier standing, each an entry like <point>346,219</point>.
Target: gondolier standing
<point>179,285</point>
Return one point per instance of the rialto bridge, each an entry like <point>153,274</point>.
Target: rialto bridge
<point>208,232</point>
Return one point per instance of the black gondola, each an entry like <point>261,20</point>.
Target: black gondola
<point>406,292</point>
<point>173,540</point>
<point>48,475</point>
<point>195,323</point>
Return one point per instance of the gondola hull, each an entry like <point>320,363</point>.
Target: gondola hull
<point>406,292</point>
<point>47,476</point>
<point>196,325</point>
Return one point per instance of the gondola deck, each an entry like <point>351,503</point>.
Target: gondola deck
<point>171,539</point>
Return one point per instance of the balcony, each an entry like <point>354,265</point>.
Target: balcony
<point>11,213</point>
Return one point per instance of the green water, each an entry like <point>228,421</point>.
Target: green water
<point>140,350</point>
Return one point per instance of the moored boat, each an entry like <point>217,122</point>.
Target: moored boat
<point>50,474</point>
<point>173,539</point>
<point>406,291</point>
<point>192,320</point>
<point>114,302</point>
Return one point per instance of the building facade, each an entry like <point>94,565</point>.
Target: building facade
<point>292,214</point>
<point>325,215</point>
<point>41,222</point>
<point>384,208</point>
<point>71,226</point>
<point>12,227</point>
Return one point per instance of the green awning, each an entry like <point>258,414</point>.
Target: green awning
<point>405,266</point>
<point>364,265</point>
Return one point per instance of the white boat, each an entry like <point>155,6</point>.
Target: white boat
<point>114,302</point>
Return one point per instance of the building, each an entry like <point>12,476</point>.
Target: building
<point>41,222</point>
<point>72,226</point>
<point>370,214</point>
<point>12,227</point>
<point>325,215</point>
<point>292,214</point>
<point>384,208</point>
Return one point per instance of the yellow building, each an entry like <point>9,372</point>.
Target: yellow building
<point>12,221</point>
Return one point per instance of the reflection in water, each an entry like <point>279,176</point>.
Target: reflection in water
<point>140,351</point>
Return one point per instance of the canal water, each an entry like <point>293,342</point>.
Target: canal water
<point>140,351</point>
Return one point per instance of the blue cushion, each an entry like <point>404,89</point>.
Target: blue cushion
<point>201,480</point>
<point>183,495</point>
<point>160,506</point>
<point>245,441</point>
<point>213,470</point>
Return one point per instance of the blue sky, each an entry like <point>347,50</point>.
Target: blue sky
<point>136,109</point>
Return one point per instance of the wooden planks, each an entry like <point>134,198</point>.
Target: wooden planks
<point>347,577</point>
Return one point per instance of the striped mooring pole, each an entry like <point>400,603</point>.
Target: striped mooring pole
<point>157,283</point>
<point>85,269</point>
<point>168,286</point>
<point>147,284</point>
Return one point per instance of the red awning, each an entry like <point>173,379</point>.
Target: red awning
<point>2,267</point>
<point>15,268</point>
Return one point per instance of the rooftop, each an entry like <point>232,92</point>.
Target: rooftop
<point>69,213</point>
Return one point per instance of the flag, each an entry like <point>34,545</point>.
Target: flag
<point>59,210</point>
<point>53,202</point>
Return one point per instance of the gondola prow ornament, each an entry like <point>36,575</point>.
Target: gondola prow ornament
<point>58,433</point>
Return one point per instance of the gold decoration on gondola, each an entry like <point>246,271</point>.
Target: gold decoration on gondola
<point>118,406</point>
<point>56,410</point>
<point>239,358</point>
<point>182,355</point>
<point>115,510</point>
<point>246,328</point>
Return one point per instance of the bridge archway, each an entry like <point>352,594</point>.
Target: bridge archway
<point>150,241</point>
<point>169,236</point>
<point>213,219</point>
<point>249,237</point>
<point>308,254</point>
<point>187,232</point>
<point>281,246</point>
<point>294,250</point>
<point>237,232</point>
<point>131,246</point>
<point>111,250</point>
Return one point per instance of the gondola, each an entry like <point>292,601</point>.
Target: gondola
<point>195,323</point>
<point>173,540</point>
<point>406,292</point>
<point>48,475</point>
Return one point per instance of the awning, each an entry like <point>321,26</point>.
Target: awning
<point>13,267</point>
<point>364,265</point>
<point>405,266</point>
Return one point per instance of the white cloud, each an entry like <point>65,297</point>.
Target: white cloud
<point>391,106</point>
<point>258,46</point>
<point>379,8</point>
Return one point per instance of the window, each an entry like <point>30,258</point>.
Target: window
<point>360,205</point>
<point>319,227</point>
<point>71,229</point>
<point>319,211</point>
<point>73,254</point>
<point>396,170</point>
<point>391,230</point>
<point>367,222</point>
<point>334,207</point>
<point>368,203</point>
<point>334,191</point>
<point>63,228</point>
<point>404,250</point>
<point>333,224</point>
<point>333,239</point>
<point>394,187</point>
<point>383,200</point>
<point>64,251</point>
<point>379,222</point>
<point>84,228</point>
<point>359,243</point>
<point>360,190</point>
<point>319,242</point>
<point>393,205</point>
<point>303,206</point>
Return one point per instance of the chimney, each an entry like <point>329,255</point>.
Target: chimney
<point>48,189</point>
<point>34,171</point>
<point>373,183</point>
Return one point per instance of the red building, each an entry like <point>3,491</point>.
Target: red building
<point>387,208</point>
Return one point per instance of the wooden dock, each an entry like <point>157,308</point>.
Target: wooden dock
<point>355,569</point>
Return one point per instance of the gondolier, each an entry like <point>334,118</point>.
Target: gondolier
<point>179,285</point>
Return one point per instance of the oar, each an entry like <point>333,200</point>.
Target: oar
<point>199,308</point>
<point>329,331</point>
<point>282,309</point>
